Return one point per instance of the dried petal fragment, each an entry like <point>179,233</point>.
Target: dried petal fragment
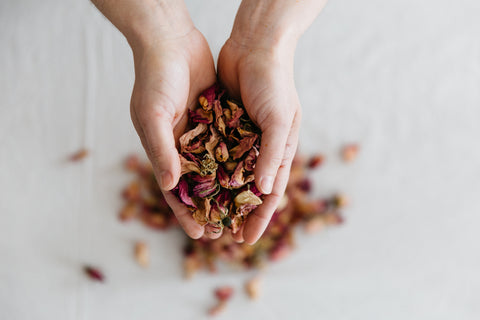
<point>200,116</point>
<point>217,309</point>
<point>94,273</point>
<point>251,159</point>
<point>349,152</point>
<point>224,293</point>
<point>184,195</point>
<point>188,166</point>
<point>247,197</point>
<point>79,155</point>
<point>316,161</point>
<point>221,152</point>
<point>219,118</point>
<point>189,136</point>
<point>245,145</point>
<point>142,254</point>
<point>236,112</point>
<point>253,287</point>
<point>128,212</point>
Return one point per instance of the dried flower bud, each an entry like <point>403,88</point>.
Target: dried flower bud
<point>142,254</point>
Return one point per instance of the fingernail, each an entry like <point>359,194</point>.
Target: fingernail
<point>267,184</point>
<point>165,179</point>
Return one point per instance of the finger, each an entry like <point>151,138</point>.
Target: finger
<point>274,139</point>
<point>213,232</point>
<point>238,236</point>
<point>184,216</point>
<point>259,219</point>
<point>160,147</point>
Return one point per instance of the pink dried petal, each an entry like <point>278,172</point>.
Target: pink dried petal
<point>94,273</point>
<point>187,138</point>
<point>236,112</point>
<point>251,159</point>
<point>237,180</point>
<point>224,293</point>
<point>183,193</point>
<point>205,189</point>
<point>221,152</point>
<point>245,209</point>
<point>245,145</point>
<point>350,152</point>
<point>196,147</point>
<point>201,214</point>
<point>217,309</point>
<point>132,163</point>
<point>222,177</point>
<point>316,161</point>
<point>200,116</point>
<point>207,98</point>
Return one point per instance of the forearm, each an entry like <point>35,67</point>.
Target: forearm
<point>274,23</point>
<point>146,22</point>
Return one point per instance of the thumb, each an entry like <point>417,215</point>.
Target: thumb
<point>156,132</point>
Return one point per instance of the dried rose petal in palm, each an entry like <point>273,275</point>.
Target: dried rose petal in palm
<point>218,155</point>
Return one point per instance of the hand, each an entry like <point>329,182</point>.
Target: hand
<point>263,80</point>
<point>169,77</point>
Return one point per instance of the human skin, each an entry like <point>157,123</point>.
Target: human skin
<point>173,65</point>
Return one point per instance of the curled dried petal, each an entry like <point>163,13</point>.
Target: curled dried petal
<point>207,98</point>
<point>247,197</point>
<point>188,166</point>
<point>221,152</point>
<point>200,116</point>
<point>219,118</point>
<point>189,136</point>
<point>183,193</point>
<point>223,178</point>
<point>212,142</point>
<point>236,113</point>
<point>245,145</point>
<point>251,159</point>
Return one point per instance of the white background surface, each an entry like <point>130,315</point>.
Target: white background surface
<point>400,77</point>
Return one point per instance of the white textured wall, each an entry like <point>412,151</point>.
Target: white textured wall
<point>400,77</point>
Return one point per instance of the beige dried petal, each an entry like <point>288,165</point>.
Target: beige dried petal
<point>253,288</point>
<point>142,254</point>
<point>188,166</point>
<point>221,152</point>
<point>217,309</point>
<point>187,137</point>
<point>247,197</point>
<point>212,142</point>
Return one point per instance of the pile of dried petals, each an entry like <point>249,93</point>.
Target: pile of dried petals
<point>145,201</point>
<point>217,158</point>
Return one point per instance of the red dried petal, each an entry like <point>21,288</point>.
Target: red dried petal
<point>236,113</point>
<point>200,116</point>
<point>187,138</point>
<point>183,193</point>
<point>224,293</point>
<point>94,273</point>
<point>244,145</point>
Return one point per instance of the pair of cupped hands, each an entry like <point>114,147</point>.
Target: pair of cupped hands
<point>171,73</point>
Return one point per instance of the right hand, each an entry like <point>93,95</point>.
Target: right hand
<point>170,74</point>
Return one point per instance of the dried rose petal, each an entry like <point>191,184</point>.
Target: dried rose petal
<point>236,113</point>
<point>183,194</point>
<point>79,155</point>
<point>142,254</point>
<point>221,152</point>
<point>253,288</point>
<point>217,309</point>
<point>349,152</point>
<point>251,159</point>
<point>316,161</point>
<point>94,273</point>
<point>188,166</point>
<point>200,116</point>
<point>245,145</point>
<point>188,137</point>
<point>247,197</point>
<point>224,293</point>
